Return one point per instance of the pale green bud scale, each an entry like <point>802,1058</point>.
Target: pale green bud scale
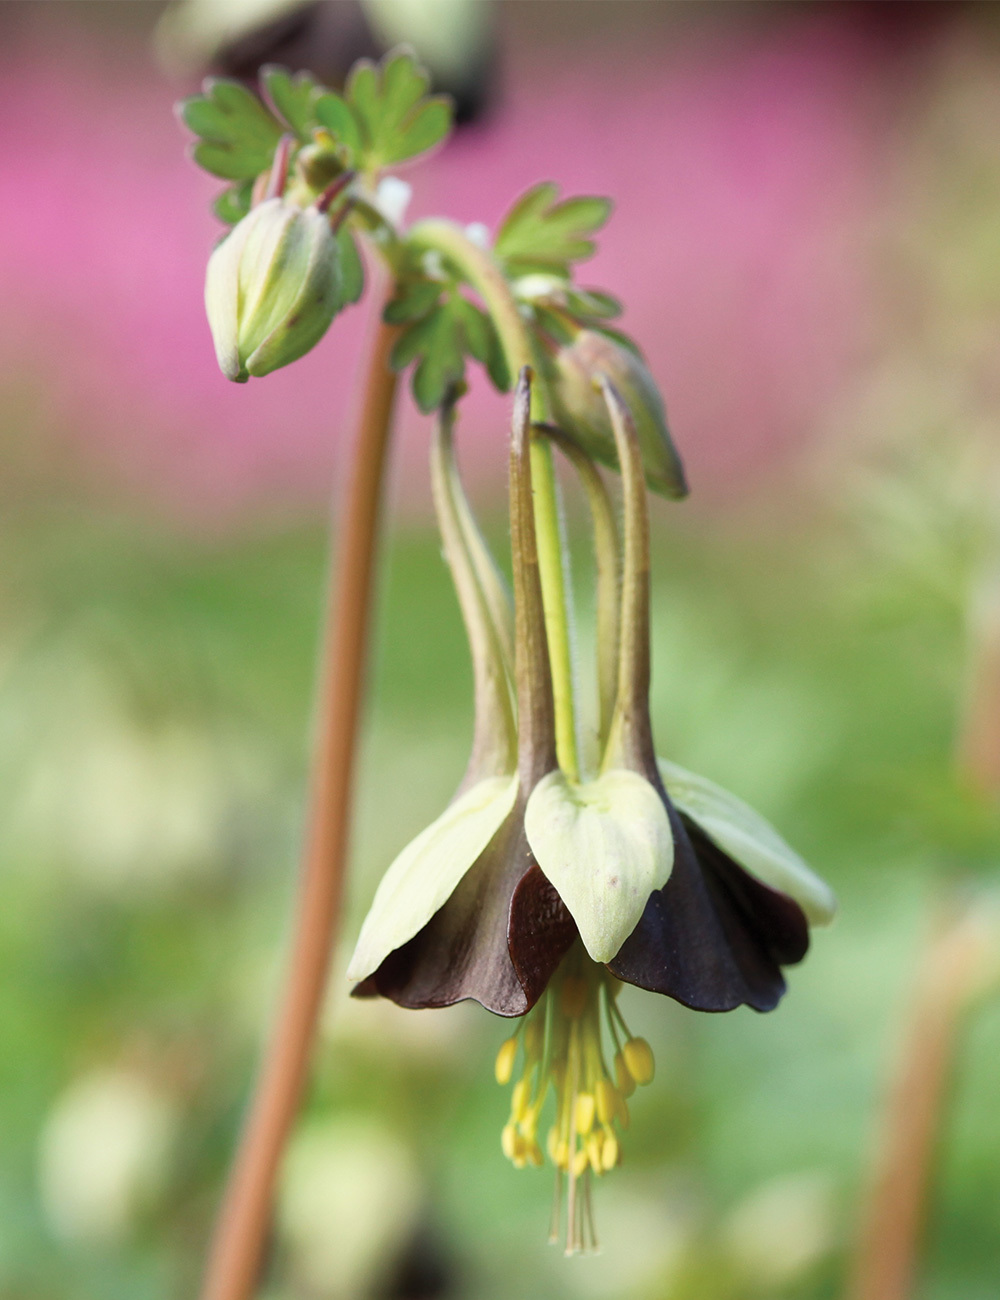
<point>583,414</point>
<point>272,288</point>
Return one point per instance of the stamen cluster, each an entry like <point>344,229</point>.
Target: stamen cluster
<point>562,1043</point>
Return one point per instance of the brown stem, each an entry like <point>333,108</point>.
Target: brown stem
<point>238,1247</point>
<point>892,1231</point>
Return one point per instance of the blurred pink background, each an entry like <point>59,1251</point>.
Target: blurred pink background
<point>749,161</point>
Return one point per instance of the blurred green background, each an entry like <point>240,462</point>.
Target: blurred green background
<point>812,649</point>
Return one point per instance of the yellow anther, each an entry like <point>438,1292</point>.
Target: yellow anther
<point>595,1147</point>
<point>520,1099</point>
<point>522,1151</point>
<point>639,1059</point>
<point>562,1155</point>
<point>535,1154</point>
<point>606,1097</point>
<point>504,1066</point>
<point>584,1112</point>
<point>573,997</point>
<point>580,1162</point>
<point>610,1152</point>
<point>508,1141</point>
<point>626,1084</point>
<point>622,1108</point>
<point>552,1145</point>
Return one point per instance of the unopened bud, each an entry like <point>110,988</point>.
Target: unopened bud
<point>272,288</point>
<point>583,414</point>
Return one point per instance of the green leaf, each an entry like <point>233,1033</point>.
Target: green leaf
<point>292,97</point>
<point>416,340</point>
<point>238,134</point>
<point>233,203</point>
<point>352,268</point>
<point>362,93</point>
<point>605,845</point>
<point>337,116</point>
<point>229,162</point>
<point>404,84</point>
<point>749,839</point>
<point>425,128</point>
<point>424,876</point>
<point>475,326</point>
<point>444,331</point>
<point>496,365</point>
<point>540,233</point>
<point>441,366</point>
<point>414,301</point>
<point>592,304</point>
<point>397,118</point>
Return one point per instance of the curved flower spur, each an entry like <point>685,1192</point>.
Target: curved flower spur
<point>535,893</point>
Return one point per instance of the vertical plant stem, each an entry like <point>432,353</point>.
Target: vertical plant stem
<point>241,1232</point>
<point>892,1231</point>
<point>478,267</point>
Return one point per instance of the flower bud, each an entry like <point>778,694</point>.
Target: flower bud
<point>583,413</point>
<point>272,288</point>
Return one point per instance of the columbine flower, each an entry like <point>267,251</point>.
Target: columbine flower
<point>273,285</point>
<point>533,883</point>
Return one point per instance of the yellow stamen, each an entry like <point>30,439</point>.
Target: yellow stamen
<point>566,1040</point>
<point>606,1097</point>
<point>624,1080</point>
<point>584,1112</point>
<point>639,1059</point>
<point>504,1067</point>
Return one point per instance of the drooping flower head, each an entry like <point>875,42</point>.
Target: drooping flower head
<point>537,893</point>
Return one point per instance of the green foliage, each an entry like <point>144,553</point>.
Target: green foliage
<point>293,97</point>
<point>385,117</point>
<point>443,328</point>
<point>398,119</point>
<point>233,204</point>
<point>542,234</point>
<point>238,135</point>
<point>336,116</point>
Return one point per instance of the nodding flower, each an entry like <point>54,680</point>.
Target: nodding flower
<point>538,894</point>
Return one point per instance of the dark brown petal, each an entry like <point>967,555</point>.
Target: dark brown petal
<point>540,932</point>
<point>713,938</point>
<point>462,952</point>
<point>778,923</point>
